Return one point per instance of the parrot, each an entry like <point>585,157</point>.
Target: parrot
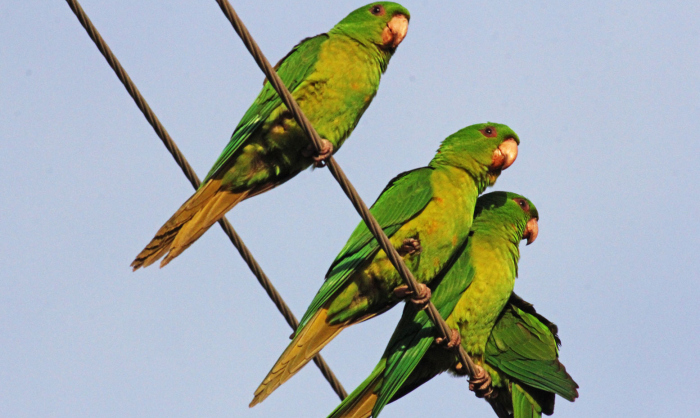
<point>522,360</point>
<point>426,213</point>
<point>333,77</point>
<point>515,349</point>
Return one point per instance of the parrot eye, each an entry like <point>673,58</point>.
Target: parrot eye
<point>377,10</point>
<point>489,132</point>
<point>523,204</point>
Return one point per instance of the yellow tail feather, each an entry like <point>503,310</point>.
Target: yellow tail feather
<point>213,210</point>
<point>307,343</point>
<point>362,407</point>
<point>194,217</point>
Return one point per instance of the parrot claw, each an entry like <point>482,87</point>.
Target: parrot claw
<point>421,299</point>
<point>410,246</point>
<point>480,384</point>
<point>319,159</point>
<point>453,341</point>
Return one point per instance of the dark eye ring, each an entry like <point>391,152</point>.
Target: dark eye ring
<point>377,10</point>
<point>489,132</point>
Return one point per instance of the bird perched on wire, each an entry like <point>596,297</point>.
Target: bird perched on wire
<point>427,214</point>
<point>511,349</point>
<point>521,359</point>
<point>333,77</point>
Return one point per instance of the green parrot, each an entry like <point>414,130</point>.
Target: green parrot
<point>503,334</point>
<point>333,77</point>
<point>521,358</point>
<point>427,214</point>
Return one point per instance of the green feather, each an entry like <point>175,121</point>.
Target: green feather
<point>520,344</point>
<point>333,77</point>
<point>412,339</point>
<point>293,69</point>
<point>524,406</point>
<point>415,332</point>
<point>524,348</point>
<point>411,358</point>
<point>403,198</point>
<point>302,70</point>
<point>433,204</point>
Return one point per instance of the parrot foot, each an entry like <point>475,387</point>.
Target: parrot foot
<point>410,246</point>
<point>319,159</point>
<point>453,341</point>
<point>421,299</point>
<point>480,384</point>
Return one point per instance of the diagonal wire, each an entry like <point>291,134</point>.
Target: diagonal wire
<point>250,44</point>
<point>194,180</point>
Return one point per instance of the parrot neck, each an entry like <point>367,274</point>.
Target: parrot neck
<point>474,158</point>
<point>494,259</point>
<point>378,54</point>
<point>479,172</point>
<point>499,229</point>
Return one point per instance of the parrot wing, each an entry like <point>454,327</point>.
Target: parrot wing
<point>523,346</point>
<point>402,199</point>
<point>415,334</point>
<point>293,69</point>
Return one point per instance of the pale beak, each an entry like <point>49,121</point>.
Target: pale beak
<point>531,231</point>
<point>505,154</point>
<point>395,31</point>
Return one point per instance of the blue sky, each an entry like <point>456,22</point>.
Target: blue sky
<point>605,97</point>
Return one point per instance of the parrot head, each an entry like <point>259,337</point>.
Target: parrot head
<point>515,214</point>
<point>483,150</point>
<point>529,209</point>
<point>382,23</point>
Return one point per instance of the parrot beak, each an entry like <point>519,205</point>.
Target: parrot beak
<point>505,154</point>
<point>531,231</point>
<point>395,31</point>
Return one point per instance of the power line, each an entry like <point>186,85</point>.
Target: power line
<point>194,180</point>
<point>250,44</point>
